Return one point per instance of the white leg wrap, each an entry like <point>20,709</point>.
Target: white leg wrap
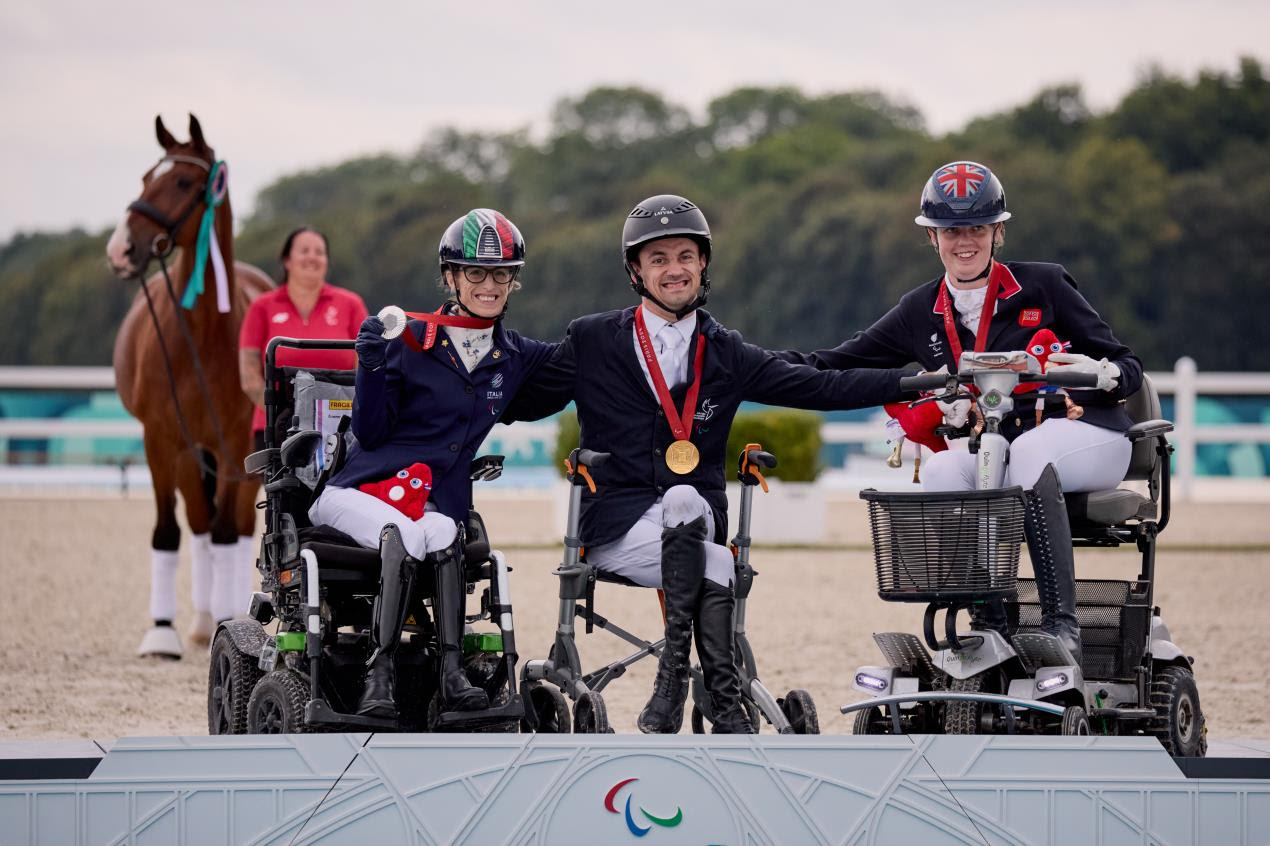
<point>224,581</point>
<point>163,566</point>
<point>201,572</point>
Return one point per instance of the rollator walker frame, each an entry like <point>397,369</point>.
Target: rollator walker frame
<point>546,682</point>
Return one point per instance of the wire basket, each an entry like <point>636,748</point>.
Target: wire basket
<point>946,547</point>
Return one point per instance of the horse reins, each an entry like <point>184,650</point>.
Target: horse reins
<point>161,252</point>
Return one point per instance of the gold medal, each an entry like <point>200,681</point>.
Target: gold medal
<point>682,457</point>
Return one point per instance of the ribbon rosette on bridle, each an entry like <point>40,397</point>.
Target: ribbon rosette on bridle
<point>207,246</point>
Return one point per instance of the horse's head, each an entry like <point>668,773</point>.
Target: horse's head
<point>165,215</point>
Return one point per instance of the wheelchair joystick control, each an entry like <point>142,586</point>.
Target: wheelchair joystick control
<point>394,318</point>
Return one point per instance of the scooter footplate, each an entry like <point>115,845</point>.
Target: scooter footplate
<point>907,654</point>
<point>1037,649</point>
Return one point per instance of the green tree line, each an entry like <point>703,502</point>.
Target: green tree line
<point>1158,207</point>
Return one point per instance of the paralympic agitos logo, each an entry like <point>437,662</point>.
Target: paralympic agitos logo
<point>631,823</point>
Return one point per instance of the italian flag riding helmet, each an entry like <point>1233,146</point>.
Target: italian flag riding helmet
<point>484,237</point>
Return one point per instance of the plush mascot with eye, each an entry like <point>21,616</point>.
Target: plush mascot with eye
<point>407,491</point>
<point>1044,344</point>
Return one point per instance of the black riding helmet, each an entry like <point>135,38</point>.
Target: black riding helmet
<point>482,237</point>
<point>665,216</point>
<point>962,194</point>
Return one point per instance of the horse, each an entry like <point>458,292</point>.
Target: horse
<point>176,371</point>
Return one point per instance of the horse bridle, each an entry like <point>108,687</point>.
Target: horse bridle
<point>161,252</point>
<point>165,242</point>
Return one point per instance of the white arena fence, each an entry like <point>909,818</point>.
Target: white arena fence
<point>1185,383</point>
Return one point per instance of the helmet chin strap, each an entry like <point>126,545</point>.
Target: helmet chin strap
<point>458,303</point>
<point>637,284</point>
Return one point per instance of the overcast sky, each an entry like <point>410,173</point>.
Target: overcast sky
<point>285,86</point>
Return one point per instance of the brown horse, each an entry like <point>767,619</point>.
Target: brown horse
<point>176,371</point>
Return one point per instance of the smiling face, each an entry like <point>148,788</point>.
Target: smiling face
<point>486,298</point>
<point>306,262</point>
<point>964,250</point>
<point>671,269</point>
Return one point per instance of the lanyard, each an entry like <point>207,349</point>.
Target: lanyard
<point>680,424</point>
<point>435,319</point>
<point>944,304</point>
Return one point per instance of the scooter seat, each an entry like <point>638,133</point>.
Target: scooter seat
<point>1109,508</point>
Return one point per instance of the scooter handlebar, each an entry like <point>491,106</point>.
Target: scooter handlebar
<point>924,381</point>
<point>763,459</point>
<point>1071,379</point>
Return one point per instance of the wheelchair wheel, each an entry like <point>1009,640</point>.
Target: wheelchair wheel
<point>800,710</point>
<point>698,721</point>
<point>1075,722</point>
<point>230,679</point>
<point>1179,723</point>
<point>546,707</point>
<point>590,716</point>
<point>870,721</point>
<point>277,704</point>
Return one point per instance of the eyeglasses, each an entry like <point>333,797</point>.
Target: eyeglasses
<point>501,275</point>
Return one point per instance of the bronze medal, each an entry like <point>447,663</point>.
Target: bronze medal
<point>682,457</point>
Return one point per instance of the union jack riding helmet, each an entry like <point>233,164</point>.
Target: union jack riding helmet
<point>482,236</point>
<point>962,194</point>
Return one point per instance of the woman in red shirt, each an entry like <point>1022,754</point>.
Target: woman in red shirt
<point>304,306</point>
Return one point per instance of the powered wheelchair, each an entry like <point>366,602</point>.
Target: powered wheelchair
<point>306,671</point>
<point>545,683</point>
<point>1132,679</point>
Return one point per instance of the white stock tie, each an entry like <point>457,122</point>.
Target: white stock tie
<point>670,357</point>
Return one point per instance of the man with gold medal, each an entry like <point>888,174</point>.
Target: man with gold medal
<point>657,386</point>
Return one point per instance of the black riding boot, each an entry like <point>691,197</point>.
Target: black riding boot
<point>1049,542</point>
<point>457,693</point>
<point>716,649</point>
<point>396,578</point>
<point>683,566</point>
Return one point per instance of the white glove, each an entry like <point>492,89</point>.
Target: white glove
<point>1108,373</point>
<point>956,411</point>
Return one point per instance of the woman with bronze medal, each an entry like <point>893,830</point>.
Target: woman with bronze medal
<point>981,303</point>
<point>429,389</point>
<point>657,386</point>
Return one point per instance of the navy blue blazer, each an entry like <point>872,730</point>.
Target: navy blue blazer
<point>598,367</point>
<point>425,406</point>
<point>1038,296</point>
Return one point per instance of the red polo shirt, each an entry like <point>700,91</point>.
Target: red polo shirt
<point>337,315</point>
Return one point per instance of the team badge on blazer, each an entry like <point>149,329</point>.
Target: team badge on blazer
<point>1030,317</point>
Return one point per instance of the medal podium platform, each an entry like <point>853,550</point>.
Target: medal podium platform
<point>575,789</point>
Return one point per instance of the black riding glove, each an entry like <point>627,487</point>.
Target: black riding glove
<point>372,349</point>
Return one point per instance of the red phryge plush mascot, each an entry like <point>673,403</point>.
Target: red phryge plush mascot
<point>918,424</point>
<point>407,491</point>
<point>1044,344</point>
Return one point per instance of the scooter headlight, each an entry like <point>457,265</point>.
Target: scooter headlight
<point>871,682</point>
<point>1051,683</point>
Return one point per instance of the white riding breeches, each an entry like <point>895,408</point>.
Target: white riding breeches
<point>1087,458</point>
<point>361,516</point>
<point>637,554</point>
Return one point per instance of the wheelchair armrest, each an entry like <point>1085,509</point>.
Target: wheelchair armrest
<point>1148,429</point>
<point>258,462</point>
<point>297,450</point>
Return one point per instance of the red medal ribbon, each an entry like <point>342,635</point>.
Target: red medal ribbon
<point>438,318</point>
<point>944,304</point>
<point>680,424</point>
